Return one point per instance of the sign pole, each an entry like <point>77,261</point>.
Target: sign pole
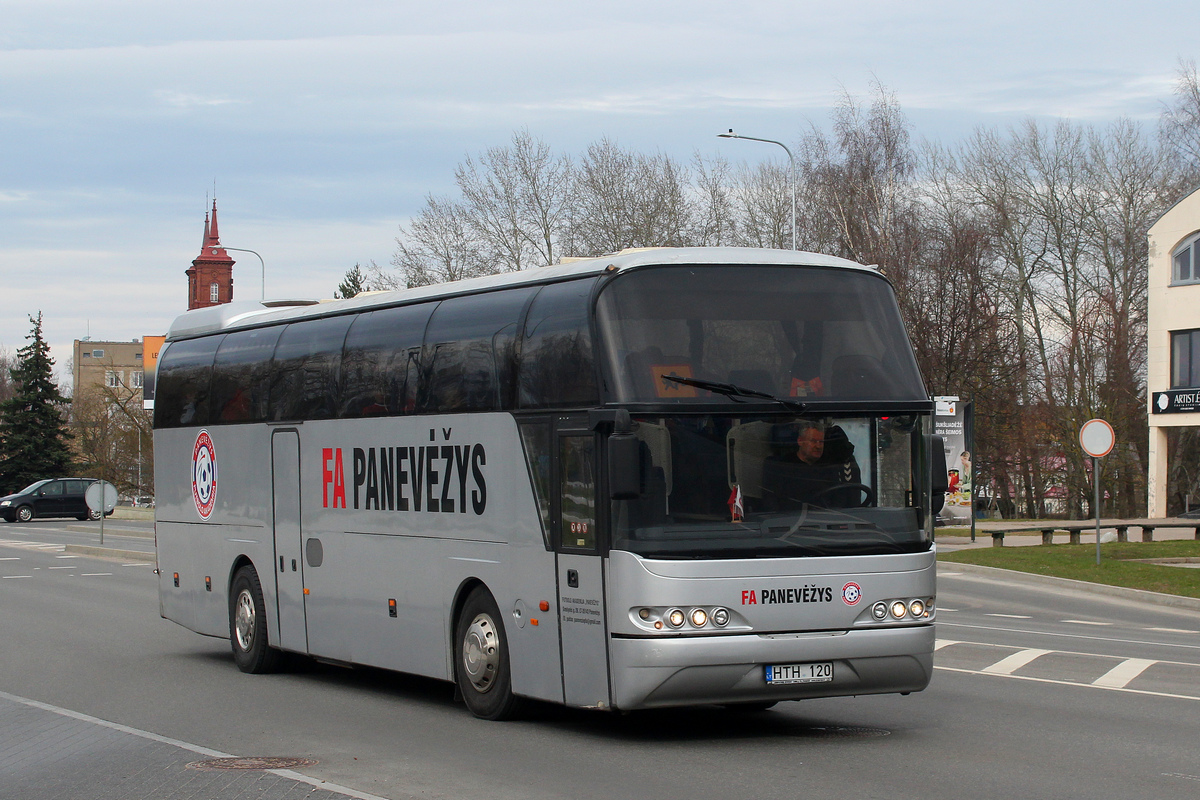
<point>1096,437</point>
<point>1096,503</point>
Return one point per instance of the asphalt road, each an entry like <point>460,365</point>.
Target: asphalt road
<point>1037,693</point>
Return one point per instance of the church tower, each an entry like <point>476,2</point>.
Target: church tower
<point>210,278</point>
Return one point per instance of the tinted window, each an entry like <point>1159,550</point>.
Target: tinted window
<point>241,375</point>
<point>304,375</point>
<point>810,332</point>
<point>380,361</point>
<point>184,378</point>
<point>557,367</point>
<point>470,355</point>
<point>76,487</point>
<point>54,488</point>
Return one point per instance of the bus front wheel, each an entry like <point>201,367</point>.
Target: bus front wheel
<point>248,624</point>
<point>481,658</point>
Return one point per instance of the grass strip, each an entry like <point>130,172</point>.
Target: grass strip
<point>1078,562</point>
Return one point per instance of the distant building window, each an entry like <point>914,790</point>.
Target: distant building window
<point>97,354</point>
<point>214,292</point>
<point>135,380</point>
<point>1185,261</point>
<point>1185,359</point>
<point>113,379</point>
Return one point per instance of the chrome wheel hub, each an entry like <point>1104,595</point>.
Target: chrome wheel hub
<point>481,653</point>
<point>243,620</point>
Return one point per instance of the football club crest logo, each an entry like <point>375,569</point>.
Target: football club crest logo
<point>204,475</point>
<point>851,594</point>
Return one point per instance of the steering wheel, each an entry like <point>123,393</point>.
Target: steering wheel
<point>868,492</point>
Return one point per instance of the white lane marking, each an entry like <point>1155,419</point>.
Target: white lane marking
<point>1183,775</point>
<point>15,576</point>
<point>64,567</point>
<point>1009,616</point>
<point>1068,635</point>
<point>1119,676</point>
<point>1171,630</point>
<point>195,748</point>
<point>93,574</point>
<point>68,556</point>
<point>1084,622</point>
<point>24,545</point>
<point>940,573</point>
<point>1066,683</point>
<point>1010,664</point>
<point>940,643</point>
<point>951,610</point>
<point>139,564</point>
<point>11,558</point>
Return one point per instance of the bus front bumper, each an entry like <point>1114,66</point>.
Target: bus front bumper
<point>677,671</point>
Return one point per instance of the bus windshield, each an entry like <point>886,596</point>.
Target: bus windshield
<point>818,334</point>
<point>720,486</point>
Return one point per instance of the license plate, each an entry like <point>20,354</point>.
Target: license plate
<point>819,672</point>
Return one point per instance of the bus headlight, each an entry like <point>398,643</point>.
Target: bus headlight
<point>720,617</point>
<point>699,617</point>
<point>917,609</point>
<point>899,609</point>
<point>675,618</point>
<point>879,611</point>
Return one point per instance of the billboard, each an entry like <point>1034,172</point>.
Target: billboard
<point>151,345</point>
<point>952,421</point>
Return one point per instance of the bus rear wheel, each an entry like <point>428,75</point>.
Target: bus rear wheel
<point>482,667</point>
<point>248,625</point>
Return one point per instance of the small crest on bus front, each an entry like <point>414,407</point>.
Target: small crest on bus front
<point>204,475</point>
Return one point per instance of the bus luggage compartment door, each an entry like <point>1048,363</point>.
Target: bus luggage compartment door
<point>289,563</point>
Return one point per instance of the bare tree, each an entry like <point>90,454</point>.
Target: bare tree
<point>438,245</point>
<point>626,199</point>
<point>1179,127</point>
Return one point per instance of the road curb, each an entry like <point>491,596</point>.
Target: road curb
<point>1013,576</point>
<point>109,552</point>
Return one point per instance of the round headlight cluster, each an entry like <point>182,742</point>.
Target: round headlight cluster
<point>676,618</point>
<point>899,609</point>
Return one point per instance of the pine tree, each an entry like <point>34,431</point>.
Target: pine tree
<point>353,284</point>
<point>33,428</point>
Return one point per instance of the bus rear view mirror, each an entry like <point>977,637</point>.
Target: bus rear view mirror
<point>940,478</point>
<point>624,466</point>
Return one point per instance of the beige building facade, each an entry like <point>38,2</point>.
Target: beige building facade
<point>1173,349</point>
<point>114,366</point>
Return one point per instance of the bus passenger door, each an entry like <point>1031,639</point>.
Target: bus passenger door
<point>582,622</point>
<point>288,565</point>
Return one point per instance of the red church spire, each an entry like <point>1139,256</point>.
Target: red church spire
<point>210,278</point>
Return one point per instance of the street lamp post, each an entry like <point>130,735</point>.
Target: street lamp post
<point>791,158</point>
<point>260,261</point>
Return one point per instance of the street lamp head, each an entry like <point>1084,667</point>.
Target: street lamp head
<point>730,135</point>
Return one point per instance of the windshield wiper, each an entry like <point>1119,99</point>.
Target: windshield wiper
<point>734,392</point>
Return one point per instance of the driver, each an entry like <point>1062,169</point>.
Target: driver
<point>822,460</point>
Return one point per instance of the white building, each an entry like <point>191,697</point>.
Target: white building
<point>1173,355</point>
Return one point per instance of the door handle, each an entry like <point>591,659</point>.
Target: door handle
<point>573,578</point>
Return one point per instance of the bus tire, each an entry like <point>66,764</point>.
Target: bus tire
<point>482,666</point>
<point>248,625</point>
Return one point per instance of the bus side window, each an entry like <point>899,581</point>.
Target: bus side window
<point>557,365</point>
<point>381,360</point>
<point>184,382</point>
<point>465,363</point>
<point>304,373</point>
<point>241,375</point>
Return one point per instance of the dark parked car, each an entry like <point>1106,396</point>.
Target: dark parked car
<point>56,497</point>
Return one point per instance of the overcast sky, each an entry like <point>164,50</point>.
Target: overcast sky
<point>323,126</point>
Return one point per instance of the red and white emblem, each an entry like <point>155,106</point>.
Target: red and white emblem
<point>204,475</point>
<point>851,593</point>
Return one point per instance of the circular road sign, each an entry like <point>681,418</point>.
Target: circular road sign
<point>93,496</point>
<point>1097,438</point>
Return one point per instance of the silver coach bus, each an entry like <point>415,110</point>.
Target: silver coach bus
<point>562,483</point>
